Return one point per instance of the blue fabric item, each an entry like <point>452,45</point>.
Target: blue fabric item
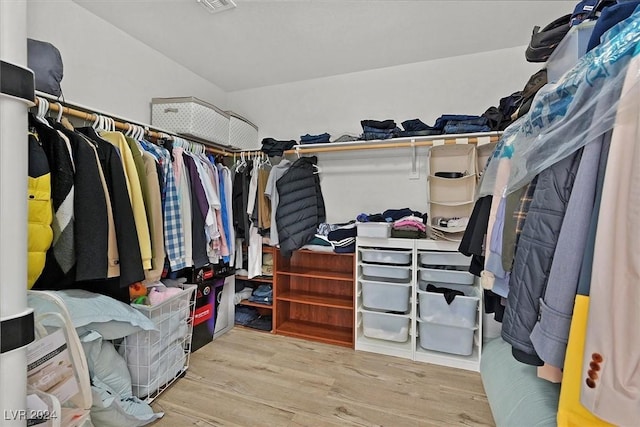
<point>363,217</point>
<point>414,125</point>
<point>430,132</point>
<point>582,10</point>
<point>89,311</point>
<point>444,119</point>
<point>245,315</point>
<point>173,235</point>
<point>345,249</point>
<point>609,17</point>
<point>385,124</point>
<point>462,127</point>
<point>515,393</point>
<point>369,136</point>
<point>315,139</point>
<point>396,214</point>
<point>494,257</point>
<point>376,130</point>
<point>223,207</point>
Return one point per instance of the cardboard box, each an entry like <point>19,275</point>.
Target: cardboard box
<point>204,320</point>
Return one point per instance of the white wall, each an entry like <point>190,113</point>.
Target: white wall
<point>366,181</point>
<point>109,70</point>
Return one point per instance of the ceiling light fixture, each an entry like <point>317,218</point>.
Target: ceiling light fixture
<point>215,6</point>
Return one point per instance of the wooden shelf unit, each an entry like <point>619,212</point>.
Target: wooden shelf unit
<point>313,296</point>
<point>263,309</point>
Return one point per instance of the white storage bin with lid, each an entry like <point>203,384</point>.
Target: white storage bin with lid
<point>386,273</point>
<point>445,338</point>
<point>386,296</point>
<point>385,326</point>
<point>374,229</point>
<point>192,117</point>
<point>242,133</point>
<point>446,276</point>
<point>429,258</point>
<point>452,190</point>
<point>461,312</point>
<point>386,256</point>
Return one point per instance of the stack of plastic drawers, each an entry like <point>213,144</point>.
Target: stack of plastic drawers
<point>385,278</point>
<point>443,326</point>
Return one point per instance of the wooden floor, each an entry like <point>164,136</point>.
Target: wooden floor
<point>248,378</point>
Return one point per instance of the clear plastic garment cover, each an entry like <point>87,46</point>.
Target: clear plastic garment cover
<point>561,117</point>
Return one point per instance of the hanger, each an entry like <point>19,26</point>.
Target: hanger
<point>96,122</point>
<point>43,108</point>
<point>60,112</point>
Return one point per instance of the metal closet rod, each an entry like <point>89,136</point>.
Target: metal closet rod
<point>124,126</point>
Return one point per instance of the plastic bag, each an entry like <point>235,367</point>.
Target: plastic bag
<point>561,119</point>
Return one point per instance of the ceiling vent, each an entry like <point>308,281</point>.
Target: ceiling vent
<point>216,6</point>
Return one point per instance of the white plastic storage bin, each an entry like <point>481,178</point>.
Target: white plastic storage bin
<point>191,116</point>
<point>446,276</point>
<point>461,312</point>
<point>386,273</point>
<point>374,229</point>
<point>444,258</point>
<point>386,256</point>
<point>572,47</point>
<point>453,158</point>
<point>452,190</point>
<point>445,338</point>
<point>386,296</point>
<point>157,358</point>
<point>385,326</point>
<point>242,133</point>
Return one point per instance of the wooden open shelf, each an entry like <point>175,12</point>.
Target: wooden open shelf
<point>256,304</point>
<point>319,274</point>
<point>261,279</point>
<point>313,293</point>
<point>313,298</point>
<point>318,332</point>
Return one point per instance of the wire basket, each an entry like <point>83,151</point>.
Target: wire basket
<point>157,358</point>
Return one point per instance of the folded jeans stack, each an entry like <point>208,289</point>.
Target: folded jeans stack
<point>415,127</point>
<point>374,129</point>
<point>459,123</point>
<point>315,139</point>
<point>263,294</point>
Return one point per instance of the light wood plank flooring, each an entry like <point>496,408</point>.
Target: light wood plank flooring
<point>248,378</point>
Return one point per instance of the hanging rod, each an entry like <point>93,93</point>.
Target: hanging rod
<point>119,125</point>
<point>405,143</point>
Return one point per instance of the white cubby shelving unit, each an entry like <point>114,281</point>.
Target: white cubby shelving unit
<point>389,319</point>
<point>451,197</point>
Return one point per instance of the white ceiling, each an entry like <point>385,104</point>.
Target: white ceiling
<point>267,42</point>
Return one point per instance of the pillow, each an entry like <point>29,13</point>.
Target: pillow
<point>106,365</point>
<point>108,410</point>
<point>89,311</point>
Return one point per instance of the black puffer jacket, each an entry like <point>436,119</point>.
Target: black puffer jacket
<point>534,255</point>
<point>301,207</point>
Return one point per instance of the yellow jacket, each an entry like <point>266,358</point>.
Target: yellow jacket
<point>40,211</point>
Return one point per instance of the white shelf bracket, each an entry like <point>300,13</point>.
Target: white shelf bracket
<point>414,173</point>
